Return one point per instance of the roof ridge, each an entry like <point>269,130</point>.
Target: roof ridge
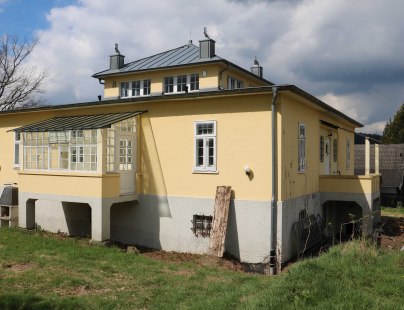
<point>161,53</point>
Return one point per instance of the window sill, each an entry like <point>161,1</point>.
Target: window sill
<point>205,171</point>
<point>66,173</point>
<point>140,96</point>
<point>15,167</point>
<point>182,92</point>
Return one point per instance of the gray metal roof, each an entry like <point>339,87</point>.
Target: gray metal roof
<point>183,55</point>
<point>82,122</point>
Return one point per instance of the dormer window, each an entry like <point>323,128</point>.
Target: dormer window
<point>194,82</point>
<point>181,83</point>
<point>125,89</point>
<point>135,88</point>
<point>234,83</point>
<point>168,84</point>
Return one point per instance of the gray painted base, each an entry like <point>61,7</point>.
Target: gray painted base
<point>166,222</point>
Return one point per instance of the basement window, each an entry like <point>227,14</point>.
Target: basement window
<point>302,214</point>
<point>201,225</point>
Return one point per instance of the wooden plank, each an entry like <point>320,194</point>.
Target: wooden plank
<point>220,217</point>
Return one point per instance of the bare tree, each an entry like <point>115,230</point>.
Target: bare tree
<point>19,84</point>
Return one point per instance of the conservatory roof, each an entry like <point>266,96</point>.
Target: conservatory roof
<point>77,122</point>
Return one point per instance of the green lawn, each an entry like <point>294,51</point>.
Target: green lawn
<point>44,271</point>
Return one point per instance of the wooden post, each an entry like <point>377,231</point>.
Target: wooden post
<point>220,217</point>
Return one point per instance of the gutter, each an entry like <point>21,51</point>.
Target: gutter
<point>272,251</point>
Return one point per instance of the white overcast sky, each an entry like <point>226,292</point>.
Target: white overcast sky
<point>348,53</point>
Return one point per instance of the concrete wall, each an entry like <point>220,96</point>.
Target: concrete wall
<point>166,222</point>
<point>287,215</point>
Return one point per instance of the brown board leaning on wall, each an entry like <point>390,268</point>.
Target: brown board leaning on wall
<point>220,217</point>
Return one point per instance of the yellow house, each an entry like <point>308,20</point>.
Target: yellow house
<point>138,164</point>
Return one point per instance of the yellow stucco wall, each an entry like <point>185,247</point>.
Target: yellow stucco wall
<point>295,110</point>
<point>209,78</point>
<point>69,184</point>
<point>350,184</point>
<point>9,122</point>
<point>166,147</point>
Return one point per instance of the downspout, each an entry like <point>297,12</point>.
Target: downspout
<point>272,252</point>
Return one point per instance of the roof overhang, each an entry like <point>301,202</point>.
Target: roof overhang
<point>77,122</point>
<point>197,95</point>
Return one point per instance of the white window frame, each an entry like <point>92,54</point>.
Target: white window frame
<point>301,154</point>
<point>205,167</point>
<point>180,83</point>
<point>175,79</point>
<point>38,153</point>
<point>233,83</point>
<point>193,85</point>
<point>124,89</point>
<point>17,141</point>
<point>143,87</point>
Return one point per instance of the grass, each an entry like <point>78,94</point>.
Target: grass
<point>44,271</point>
<point>395,212</point>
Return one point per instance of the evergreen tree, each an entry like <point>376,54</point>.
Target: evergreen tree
<point>394,131</point>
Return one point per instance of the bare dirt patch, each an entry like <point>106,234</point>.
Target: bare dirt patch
<point>19,267</point>
<point>392,232</point>
<point>201,260</point>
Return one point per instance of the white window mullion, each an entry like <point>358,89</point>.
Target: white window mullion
<point>205,154</point>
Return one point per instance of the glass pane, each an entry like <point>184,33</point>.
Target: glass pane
<point>17,153</point>
<point>199,152</point>
<point>211,152</point>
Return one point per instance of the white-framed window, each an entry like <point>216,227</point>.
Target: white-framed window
<point>135,88</point>
<point>181,83</point>
<point>125,154</point>
<point>17,139</point>
<point>125,89</point>
<point>61,150</point>
<point>348,153</point>
<point>335,150</point>
<point>168,84</point>
<point>301,147</point>
<point>205,146</point>
<point>194,82</point>
<point>146,87</point>
<point>234,83</point>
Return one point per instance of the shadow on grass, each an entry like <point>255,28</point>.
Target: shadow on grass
<point>24,301</point>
